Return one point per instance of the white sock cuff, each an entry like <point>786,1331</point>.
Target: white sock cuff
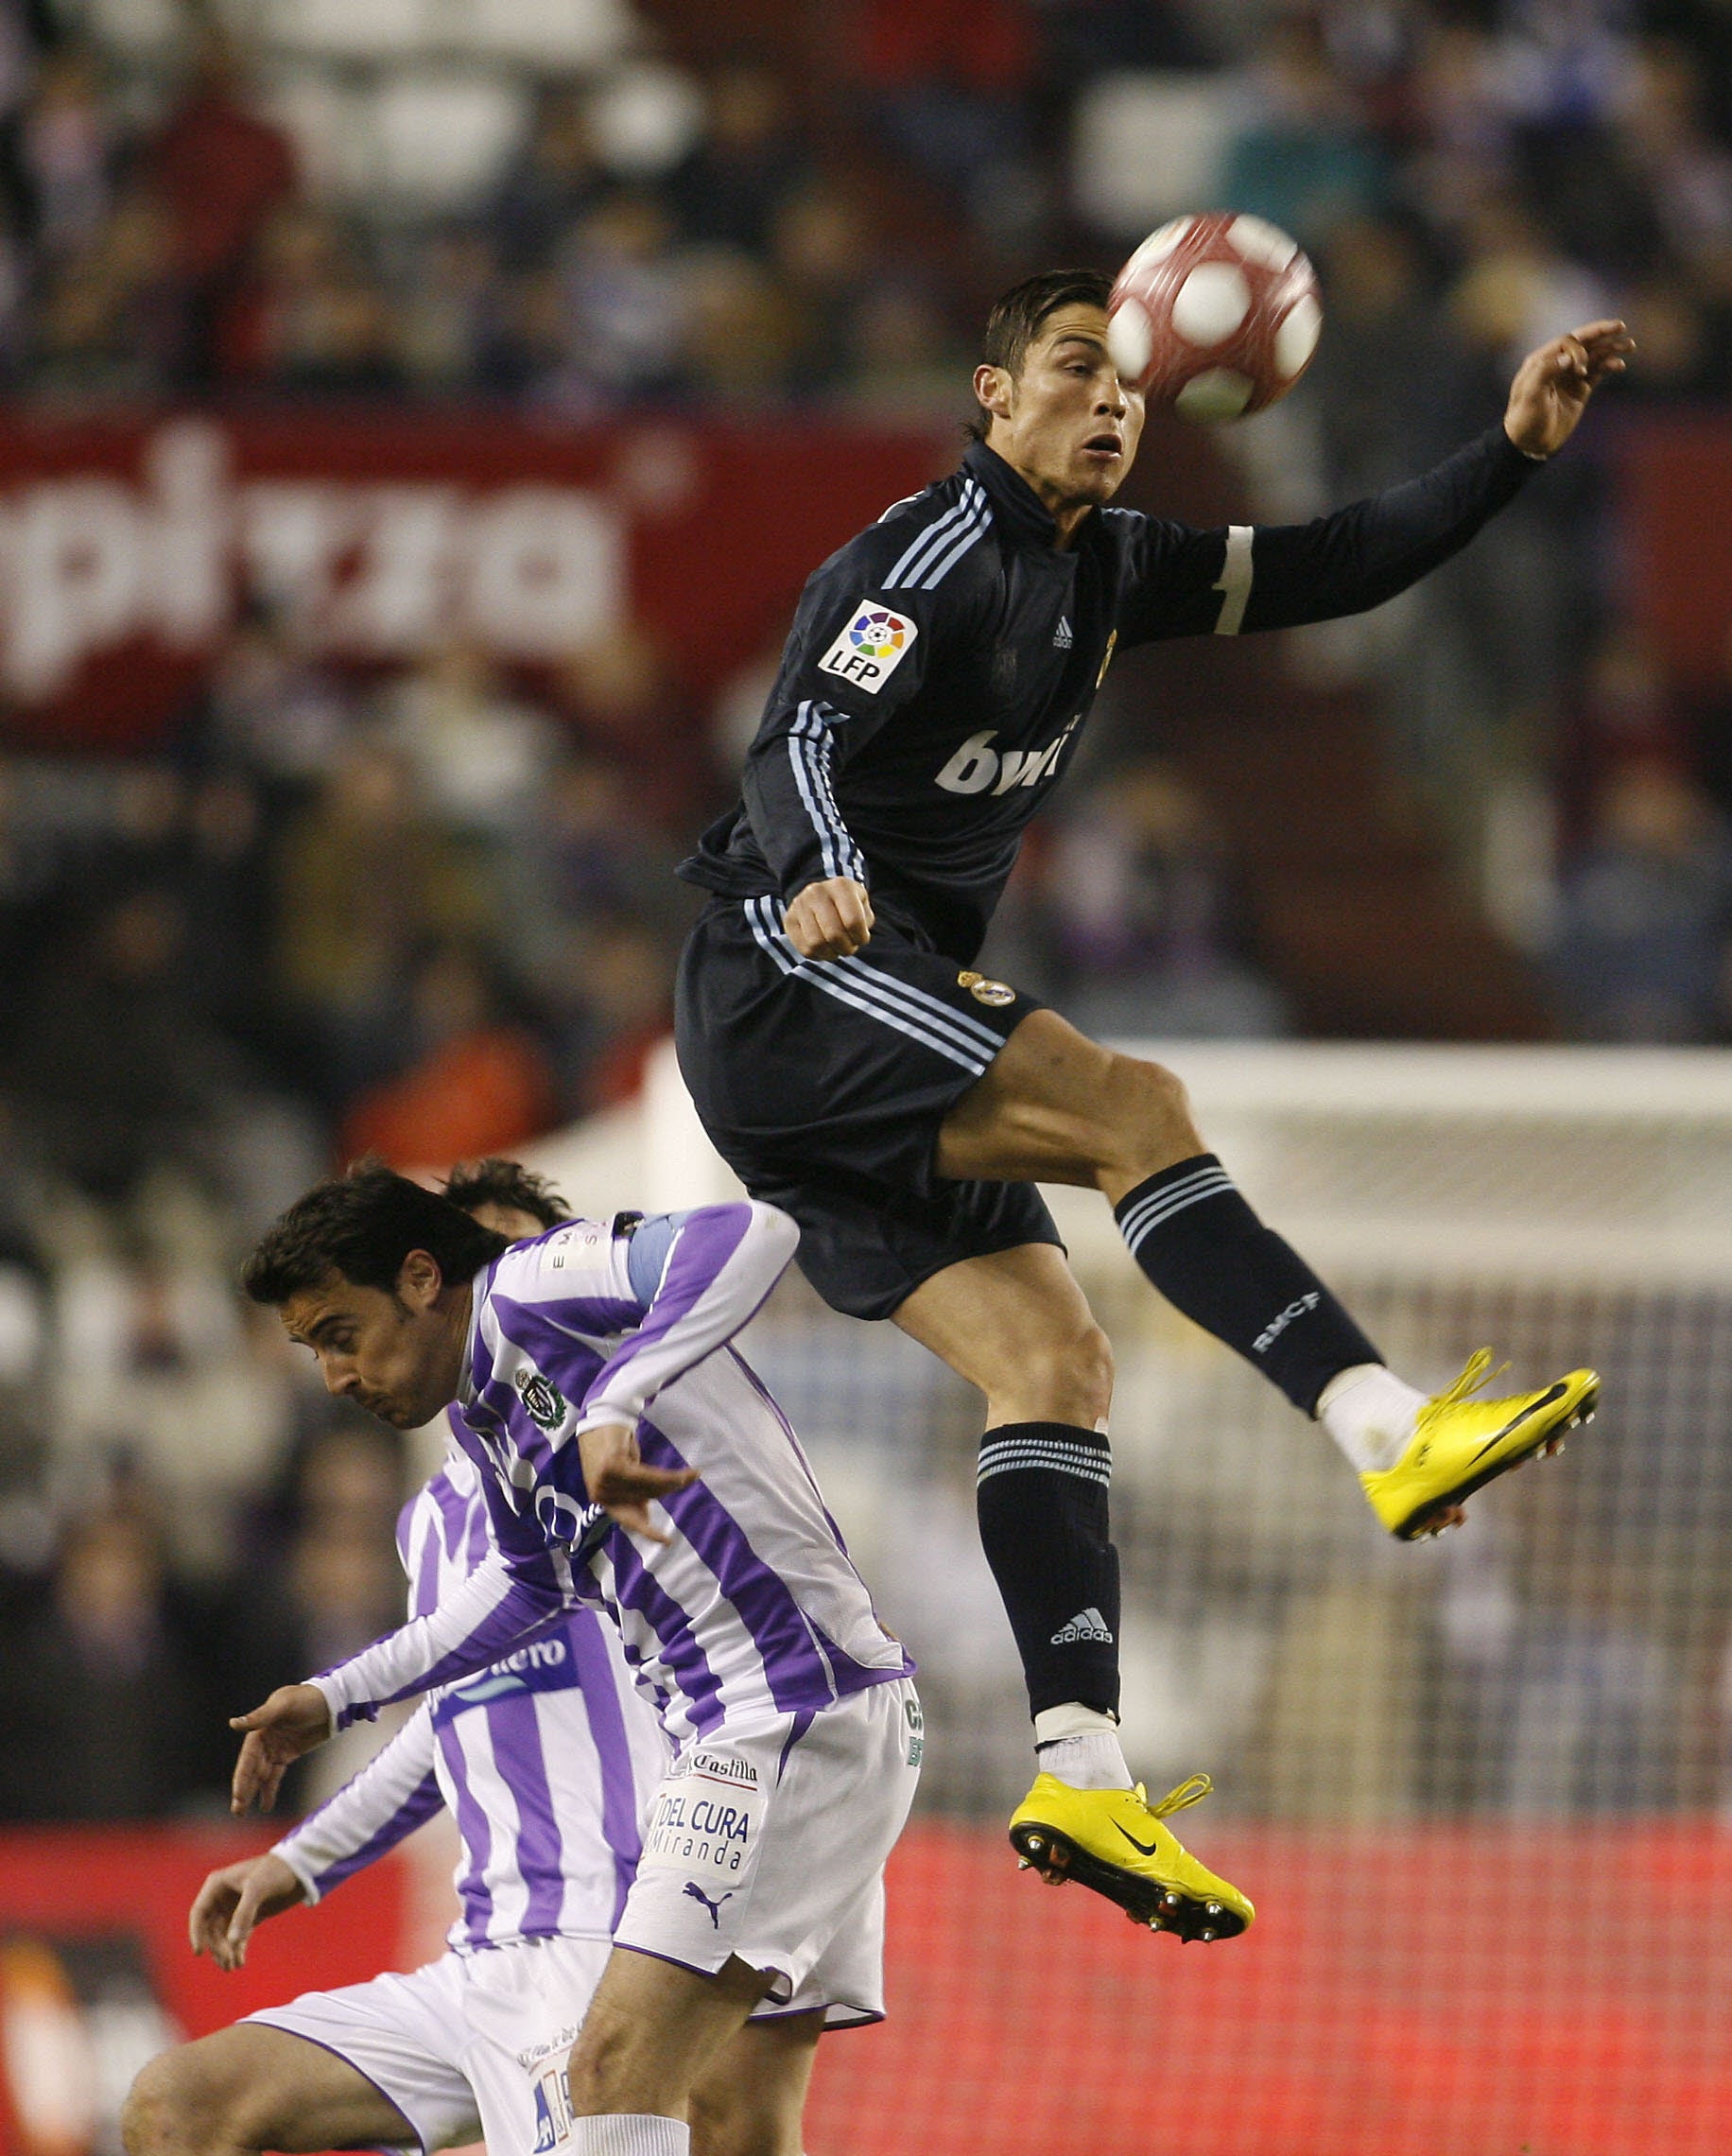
<point>630,2134</point>
<point>1344,1381</point>
<point>1054,1724</point>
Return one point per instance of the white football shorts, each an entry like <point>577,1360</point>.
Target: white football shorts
<point>471,2047</point>
<point>771,1845</point>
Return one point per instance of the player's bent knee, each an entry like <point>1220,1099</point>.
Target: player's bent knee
<point>1153,1120</point>
<point>170,2110</point>
<point>608,2067</point>
<point>1066,1375</point>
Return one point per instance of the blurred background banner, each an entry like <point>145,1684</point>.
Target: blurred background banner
<point>417,419</point>
<point>135,549</point>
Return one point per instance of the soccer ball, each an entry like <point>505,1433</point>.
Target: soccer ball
<point>1216,314</point>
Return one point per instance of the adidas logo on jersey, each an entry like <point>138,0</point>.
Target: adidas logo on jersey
<point>1063,637</point>
<point>1086,1625</point>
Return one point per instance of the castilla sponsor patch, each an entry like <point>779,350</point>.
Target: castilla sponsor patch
<point>985,991</point>
<point>871,648</point>
<point>705,1820</point>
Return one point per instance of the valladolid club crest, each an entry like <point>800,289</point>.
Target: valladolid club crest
<point>544,1404</point>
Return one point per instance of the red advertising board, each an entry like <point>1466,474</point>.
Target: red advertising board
<point>1437,1989</point>
<point>127,547</point>
<point>96,1975</point>
<point>1674,480</point>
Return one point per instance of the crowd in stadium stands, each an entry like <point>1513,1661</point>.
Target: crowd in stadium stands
<point>433,914</point>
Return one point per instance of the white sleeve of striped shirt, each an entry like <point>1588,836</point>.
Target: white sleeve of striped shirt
<point>372,1812</point>
<point>720,1266</point>
<point>510,1593</point>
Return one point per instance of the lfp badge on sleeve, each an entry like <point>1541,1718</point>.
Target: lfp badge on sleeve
<point>871,648</point>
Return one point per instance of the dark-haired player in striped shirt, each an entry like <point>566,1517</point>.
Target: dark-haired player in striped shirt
<point>855,1069</point>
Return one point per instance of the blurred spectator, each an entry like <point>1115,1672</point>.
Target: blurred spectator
<point>555,180</point>
<point>1391,381</point>
<point>727,193</point>
<point>98,1688</point>
<point>67,154</point>
<point>327,1580</point>
<point>1148,933</point>
<point>619,696</point>
<point>623,1006</point>
<point>948,80</point>
<point>745,334</point>
<point>623,303</point>
<point>270,705</point>
<point>1644,946</point>
<point>475,1082</point>
<point>479,756</point>
<point>364,879</point>
<point>901,365</point>
<point>1306,161</point>
<point>222,172</point>
<point>119,1070</point>
<point>451,321</point>
<point>107,328</point>
<point>583,854</point>
<point>320,325</point>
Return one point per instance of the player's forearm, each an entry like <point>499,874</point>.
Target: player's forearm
<point>1366,553</point>
<point>724,1263</point>
<point>788,787</point>
<point>393,1794</point>
<point>493,1611</point>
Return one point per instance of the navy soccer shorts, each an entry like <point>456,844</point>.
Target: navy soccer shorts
<point>823,1083</point>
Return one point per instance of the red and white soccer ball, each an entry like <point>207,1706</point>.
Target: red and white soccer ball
<point>1217,315</point>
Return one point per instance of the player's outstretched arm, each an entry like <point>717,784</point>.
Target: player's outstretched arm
<point>234,1899</point>
<point>511,1592</point>
<point>1185,583</point>
<point>1554,384</point>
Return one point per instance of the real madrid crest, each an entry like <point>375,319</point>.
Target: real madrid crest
<point>985,991</point>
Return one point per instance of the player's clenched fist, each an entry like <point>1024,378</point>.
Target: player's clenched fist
<point>831,919</point>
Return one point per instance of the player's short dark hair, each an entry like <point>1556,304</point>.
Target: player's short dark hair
<point>1016,318</point>
<point>506,1183</point>
<point>362,1226</point>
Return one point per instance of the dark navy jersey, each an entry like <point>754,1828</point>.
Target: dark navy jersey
<point>942,665</point>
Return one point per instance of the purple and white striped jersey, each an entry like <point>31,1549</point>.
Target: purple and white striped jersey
<point>753,1609</point>
<point>546,1761</point>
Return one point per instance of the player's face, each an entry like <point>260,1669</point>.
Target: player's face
<point>399,1356</point>
<point>1066,422</point>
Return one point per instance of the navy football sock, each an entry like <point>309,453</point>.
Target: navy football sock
<point>1043,1509</point>
<point>1210,1255</point>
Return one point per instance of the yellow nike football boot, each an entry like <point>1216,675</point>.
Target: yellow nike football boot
<point>1113,1841</point>
<point>1460,1444</point>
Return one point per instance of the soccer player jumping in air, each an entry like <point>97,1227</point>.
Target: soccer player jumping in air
<point>855,1069</point>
